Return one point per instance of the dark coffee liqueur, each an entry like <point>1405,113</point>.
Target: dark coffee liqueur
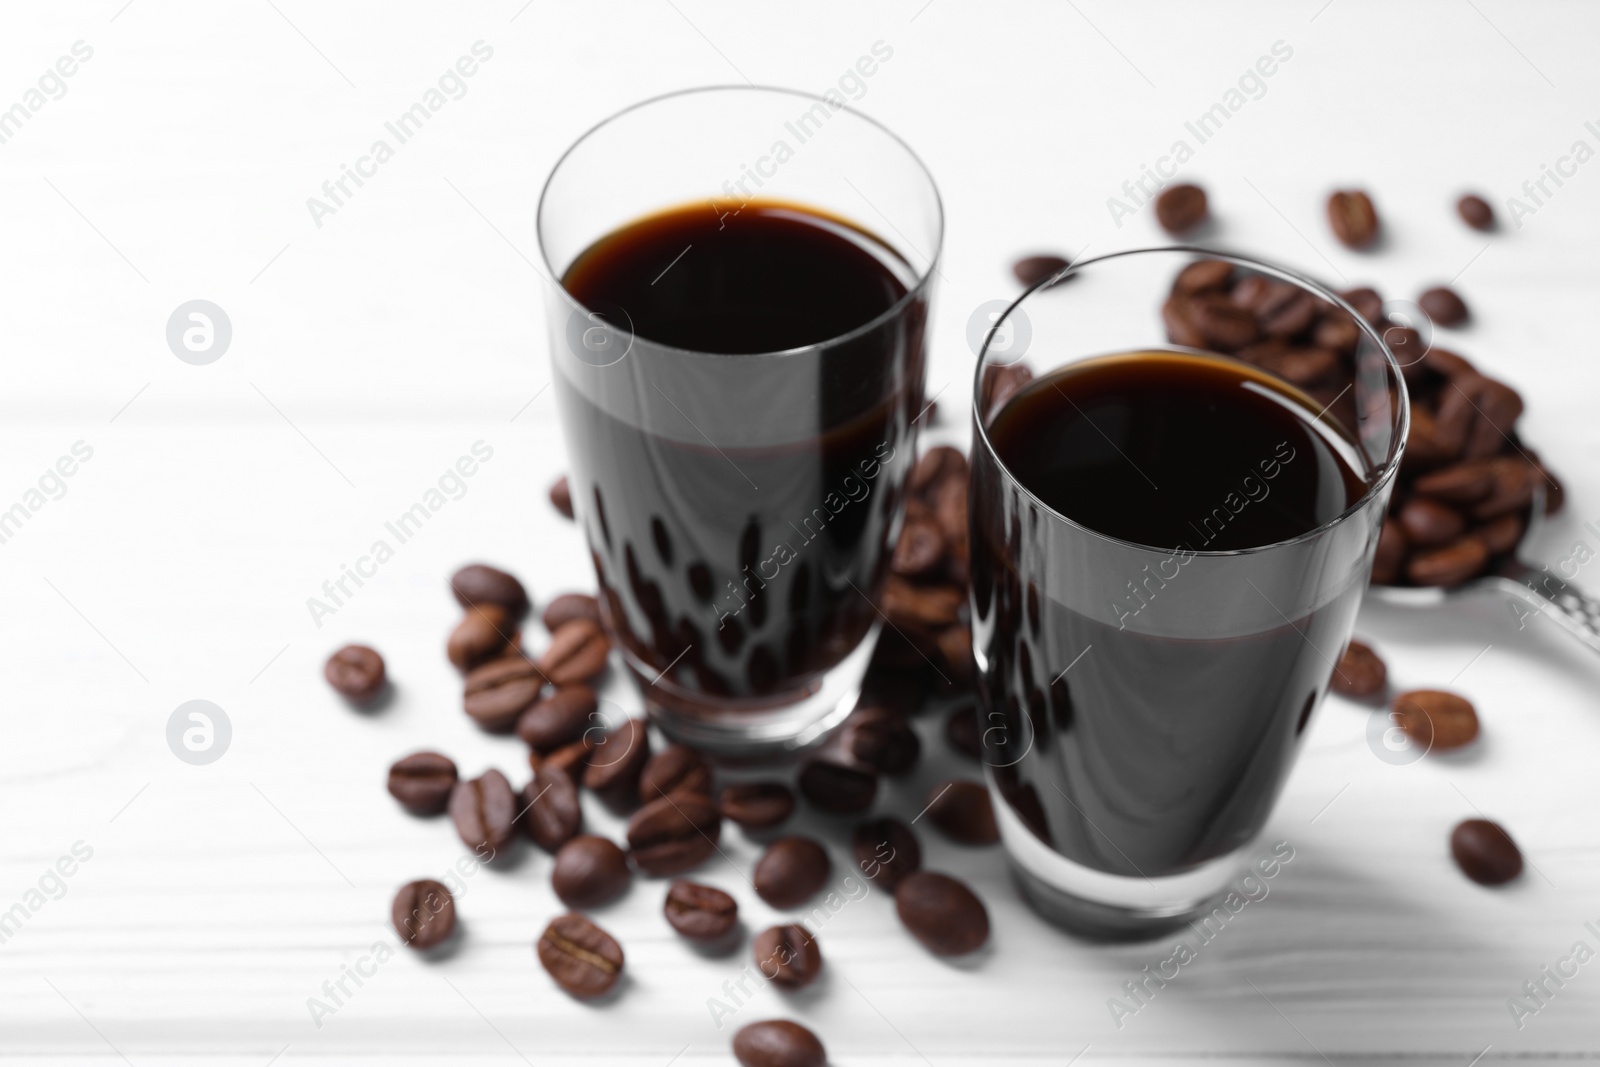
<point>1153,754</point>
<point>731,567</point>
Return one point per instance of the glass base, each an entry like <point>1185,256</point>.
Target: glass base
<point>756,731</point>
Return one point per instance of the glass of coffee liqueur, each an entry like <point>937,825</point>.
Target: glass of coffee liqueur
<point>739,283</point>
<point>1180,466</point>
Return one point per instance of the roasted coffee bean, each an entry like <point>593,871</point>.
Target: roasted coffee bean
<point>922,606</point>
<point>1450,565</point>
<point>568,607</point>
<point>778,1043</point>
<point>920,550</point>
<point>484,810</point>
<point>1209,321</point>
<point>950,512</point>
<point>1337,331</point>
<point>482,634</point>
<point>886,851</point>
<point>577,653</point>
<point>1360,672</point>
<point>791,871</point>
<point>422,782</point>
<point>1203,275</point>
<point>788,956</point>
<point>1368,303</point>
<point>1031,270</point>
<point>590,870</point>
<point>1514,483</point>
<point>613,767</point>
<point>1408,348</point>
<point>497,693</point>
<point>756,805</point>
<point>963,812</point>
<point>1485,852</point>
<point>942,913</point>
<point>561,496</point>
<point>1443,305</point>
<point>1388,563</point>
<point>479,583</point>
<point>1003,381</point>
<point>584,960</point>
<point>1463,483</point>
<point>1475,212</point>
<point>881,739</point>
<point>838,788</point>
<point>1353,218</point>
<point>1436,720</point>
<point>673,834</point>
<point>1427,522</point>
<point>1180,208</point>
<point>675,769</point>
<point>934,466</point>
<point>1303,366</point>
<point>955,653</point>
<point>1501,535</point>
<point>1449,364</point>
<point>551,812</point>
<point>356,673</point>
<point>573,758</point>
<point>961,729</point>
<point>700,912</point>
<point>423,913</point>
<point>559,719</point>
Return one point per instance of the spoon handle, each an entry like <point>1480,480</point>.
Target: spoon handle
<point>1570,606</point>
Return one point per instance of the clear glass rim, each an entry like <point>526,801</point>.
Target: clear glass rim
<point>912,293</point>
<point>1386,471</point>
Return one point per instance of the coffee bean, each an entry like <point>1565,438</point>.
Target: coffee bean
<point>584,960</point>
<point>1461,483</point>
<point>961,730</point>
<point>1180,208</point>
<point>1360,672</point>
<point>613,767</point>
<point>935,466</point>
<point>1485,852</point>
<point>1436,720</point>
<point>559,719</point>
<point>838,788</point>
<point>675,769</point>
<point>497,693</point>
<point>778,1043</point>
<point>1450,565</point>
<point>590,870</point>
<point>1209,321</point>
<point>551,811</point>
<point>479,583</point>
<point>674,834</point>
<point>1476,212</point>
<point>886,851</point>
<point>1203,275</point>
<point>963,812</point>
<point>423,913</point>
<point>756,805</point>
<point>920,550</point>
<point>1428,522</point>
<point>1443,306</point>
<point>1514,485</point>
<point>1031,270</point>
<point>920,606</point>
<point>788,956</point>
<point>1389,560</point>
<point>942,913</point>
<point>422,782</point>
<point>1501,535</point>
<point>572,758</point>
<point>481,635</point>
<point>1353,218</point>
<point>955,653</point>
<point>881,739</point>
<point>569,606</point>
<point>356,673</point>
<point>1408,349</point>
<point>700,912</point>
<point>1449,363</point>
<point>791,871</point>
<point>577,652</point>
<point>484,810</point>
<point>561,496</point>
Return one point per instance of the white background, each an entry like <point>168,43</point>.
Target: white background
<point>370,353</point>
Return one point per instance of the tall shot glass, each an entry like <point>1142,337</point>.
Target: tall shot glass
<point>1142,706</point>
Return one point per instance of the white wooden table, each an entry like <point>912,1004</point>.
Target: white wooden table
<point>368,353</point>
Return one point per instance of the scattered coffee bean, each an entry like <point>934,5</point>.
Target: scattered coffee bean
<point>880,738</point>
<point>673,834</point>
<point>572,758</point>
<point>1443,306</point>
<point>1436,720</point>
<point>590,871</point>
<point>791,871</point>
<point>1450,565</point>
<point>1203,275</point>
<point>756,805</point>
<point>423,913</point>
<point>675,769</point>
<point>942,913</point>
<point>1031,270</point>
<point>961,729</point>
<point>778,1043</point>
<point>482,634</point>
<point>1462,483</point>
<point>1360,672</point>
<point>963,812</point>
<point>838,788</point>
<point>920,550</point>
<point>1353,218</point>
<point>484,810</point>
<point>561,496</point>
<point>577,653</point>
<point>559,719</point>
<point>551,812</point>
<point>497,693</point>
<point>584,960</point>
<point>700,912</point>
<point>479,583</point>
<point>1428,522</point>
<point>1388,563</point>
<point>1476,212</point>
<point>788,956</point>
<point>1501,535</point>
<point>921,606</point>
<point>886,851</point>
<point>422,782</point>
<point>612,770</point>
<point>1485,852</point>
<point>356,673</point>
<point>568,607</point>
<point>1180,208</point>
